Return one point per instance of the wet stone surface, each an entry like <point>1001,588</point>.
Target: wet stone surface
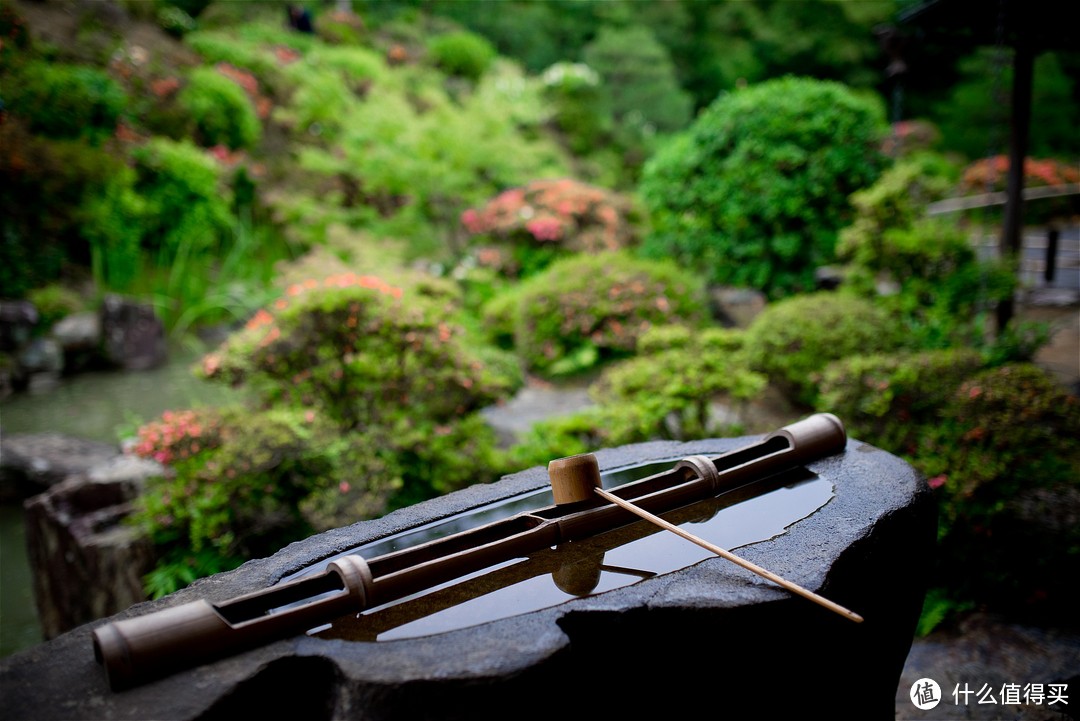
<point>776,648</point>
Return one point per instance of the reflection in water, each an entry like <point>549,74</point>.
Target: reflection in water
<point>609,560</point>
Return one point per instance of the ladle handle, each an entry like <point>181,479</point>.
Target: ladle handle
<point>778,580</point>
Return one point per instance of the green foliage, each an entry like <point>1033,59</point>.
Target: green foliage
<point>587,309</point>
<point>44,186</point>
<point>974,117</point>
<point>175,21</point>
<point>220,109</point>
<point>639,81</point>
<point>940,285</point>
<point>793,340</point>
<point>180,567</point>
<point>1002,458</point>
<point>673,382</point>
<point>235,480</point>
<point>464,54</point>
<point>113,227</point>
<point>188,209</point>
<point>408,163</point>
<point>66,101</point>
<point>757,189</point>
<point>367,399</point>
<point>667,391</point>
<point>889,400</point>
<point>358,350</point>
<point>578,107</point>
<point>218,47</point>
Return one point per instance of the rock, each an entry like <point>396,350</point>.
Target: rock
<point>86,562</point>
<point>755,648</point>
<point>17,321</point>
<point>828,277</point>
<point>41,355</point>
<point>737,307</point>
<point>33,462</point>
<point>133,335</point>
<point>78,332</point>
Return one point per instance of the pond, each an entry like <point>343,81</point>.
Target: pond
<point>100,404</point>
<point>97,405</point>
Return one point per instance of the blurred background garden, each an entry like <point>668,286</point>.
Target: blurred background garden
<point>367,227</point>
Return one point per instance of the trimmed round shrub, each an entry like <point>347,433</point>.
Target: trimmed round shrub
<point>359,350</point>
<point>757,188</point>
<point>793,340</point>
<point>220,109</point>
<point>667,391</point>
<point>586,309</point>
<point>463,54</point>
<point>669,388</point>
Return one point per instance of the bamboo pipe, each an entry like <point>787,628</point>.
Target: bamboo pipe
<point>576,478</point>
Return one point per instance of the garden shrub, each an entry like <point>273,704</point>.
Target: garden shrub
<point>989,175</point>
<point>578,110</point>
<point>407,163</point>
<point>667,391</point>
<point>587,309</point>
<point>547,218</point>
<point>354,348</point>
<point>218,47</point>
<point>44,187</point>
<point>938,286</point>
<point>113,227</point>
<point>221,111</point>
<point>66,101</point>
<point>757,188</point>
<point>235,484</point>
<point>639,81</point>
<point>463,54</point>
<point>365,399</point>
<point>888,400</point>
<point>1003,462</point>
<point>673,382</point>
<point>793,340</point>
<point>188,206</point>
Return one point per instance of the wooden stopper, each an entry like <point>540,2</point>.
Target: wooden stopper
<point>573,478</point>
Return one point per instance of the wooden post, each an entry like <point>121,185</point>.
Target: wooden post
<point>1011,235</point>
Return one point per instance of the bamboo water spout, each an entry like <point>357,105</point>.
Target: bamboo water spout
<point>140,649</point>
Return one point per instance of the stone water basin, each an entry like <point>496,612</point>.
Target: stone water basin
<point>706,635</point>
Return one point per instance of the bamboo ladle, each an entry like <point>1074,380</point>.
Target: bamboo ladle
<point>577,478</point>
